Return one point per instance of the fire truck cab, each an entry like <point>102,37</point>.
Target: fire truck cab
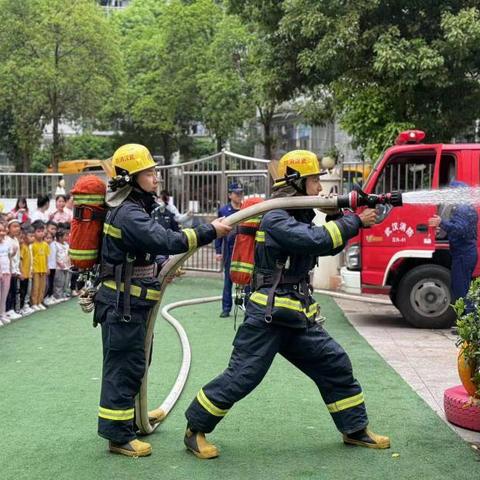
<point>401,255</point>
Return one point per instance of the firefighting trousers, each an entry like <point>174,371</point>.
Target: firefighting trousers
<point>311,350</point>
<point>123,369</point>
<point>227,302</point>
<point>462,272</point>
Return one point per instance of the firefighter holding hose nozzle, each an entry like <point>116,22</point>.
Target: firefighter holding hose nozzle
<point>129,289</point>
<point>282,316</point>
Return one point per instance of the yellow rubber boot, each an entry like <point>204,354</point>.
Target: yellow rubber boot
<point>366,438</point>
<point>134,448</point>
<point>199,446</point>
<point>156,416</point>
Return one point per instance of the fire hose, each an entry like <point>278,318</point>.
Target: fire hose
<point>354,199</point>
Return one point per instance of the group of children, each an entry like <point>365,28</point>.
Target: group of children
<point>34,267</point>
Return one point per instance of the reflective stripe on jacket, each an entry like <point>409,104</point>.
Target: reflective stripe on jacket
<point>290,238</point>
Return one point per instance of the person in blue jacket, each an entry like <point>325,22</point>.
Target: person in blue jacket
<point>283,317</point>
<point>224,246</point>
<point>461,230</point>
<point>128,290</point>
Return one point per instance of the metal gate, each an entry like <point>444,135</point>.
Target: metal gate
<point>201,186</point>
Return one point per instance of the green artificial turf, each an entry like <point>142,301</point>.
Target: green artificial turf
<point>50,368</point>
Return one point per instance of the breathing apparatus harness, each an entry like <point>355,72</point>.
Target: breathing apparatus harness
<point>129,269</point>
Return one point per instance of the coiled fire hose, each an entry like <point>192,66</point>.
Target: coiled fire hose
<point>352,200</point>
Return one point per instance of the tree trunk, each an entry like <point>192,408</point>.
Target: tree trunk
<point>56,143</point>
<point>220,144</point>
<point>268,140</point>
<point>167,147</point>
<point>266,118</point>
<point>56,140</point>
<point>26,164</point>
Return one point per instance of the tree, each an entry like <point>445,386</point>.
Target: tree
<point>191,62</point>
<point>165,48</point>
<point>264,82</point>
<point>388,65</point>
<point>270,68</point>
<point>240,82</point>
<point>224,89</point>
<point>59,60</point>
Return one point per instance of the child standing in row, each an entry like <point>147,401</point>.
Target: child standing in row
<point>63,265</point>
<point>52,261</point>
<point>12,306</point>
<point>5,258</point>
<point>26,240</point>
<point>40,253</point>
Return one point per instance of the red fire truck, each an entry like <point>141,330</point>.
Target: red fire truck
<point>401,256</point>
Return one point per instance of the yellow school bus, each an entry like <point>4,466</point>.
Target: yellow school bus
<point>78,166</point>
<point>354,175</point>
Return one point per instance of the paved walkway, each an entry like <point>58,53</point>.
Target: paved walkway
<point>425,359</point>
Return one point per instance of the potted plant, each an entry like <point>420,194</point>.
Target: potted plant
<point>468,325</point>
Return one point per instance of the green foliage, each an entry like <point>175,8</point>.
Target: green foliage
<point>59,60</point>
<point>224,88</point>
<point>202,147</point>
<point>85,146</point>
<point>468,325</point>
<point>192,61</point>
<point>7,138</point>
<point>165,52</point>
<point>245,144</point>
<point>41,160</point>
<point>369,114</point>
<point>88,146</point>
<point>193,148</point>
<point>388,65</point>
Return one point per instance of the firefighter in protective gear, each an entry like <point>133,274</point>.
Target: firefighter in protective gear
<point>224,246</point>
<point>128,289</point>
<point>461,230</point>
<point>281,316</point>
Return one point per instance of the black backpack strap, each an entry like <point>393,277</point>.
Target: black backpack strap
<point>85,213</point>
<point>276,277</point>
<point>129,259</point>
<point>251,231</point>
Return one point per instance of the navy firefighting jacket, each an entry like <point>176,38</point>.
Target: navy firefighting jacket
<point>289,238</point>
<point>461,230</point>
<point>130,230</point>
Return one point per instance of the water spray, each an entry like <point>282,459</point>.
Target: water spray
<point>444,196</point>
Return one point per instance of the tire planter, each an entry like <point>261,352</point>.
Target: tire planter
<point>459,409</point>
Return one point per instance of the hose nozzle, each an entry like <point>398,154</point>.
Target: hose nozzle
<point>358,198</point>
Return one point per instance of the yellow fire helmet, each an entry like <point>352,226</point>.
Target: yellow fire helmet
<point>296,164</point>
<point>132,158</point>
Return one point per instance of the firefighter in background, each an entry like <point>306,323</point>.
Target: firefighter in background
<point>461,232</point>
<point>281,316</point>
<point>129,289</point>
<point>224,246</point>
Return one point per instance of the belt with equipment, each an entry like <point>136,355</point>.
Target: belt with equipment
<point>135,290</point>
<point>123,274</point>
<point>143,271</point>
<point>297,283</point>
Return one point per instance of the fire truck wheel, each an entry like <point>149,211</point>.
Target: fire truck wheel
<point>424,297</point>
<point>394,297</point>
